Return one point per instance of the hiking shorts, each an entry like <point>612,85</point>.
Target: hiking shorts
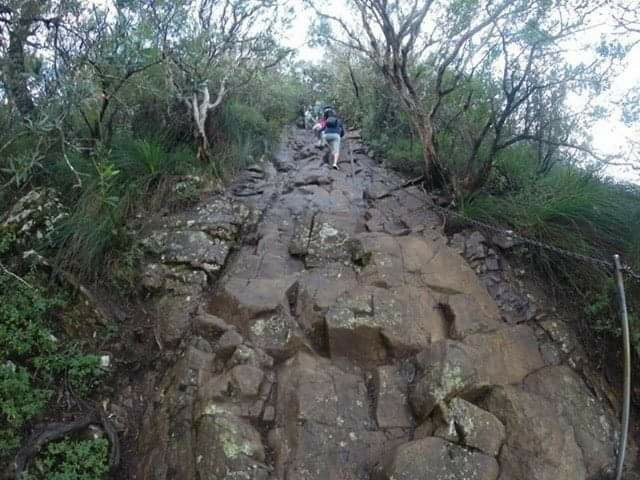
<point>333,140</point>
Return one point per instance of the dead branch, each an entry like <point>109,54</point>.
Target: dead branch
<point>55,431</point>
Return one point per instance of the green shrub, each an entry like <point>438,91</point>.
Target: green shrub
<point>34,362</point>
<point>71,460</point>
<point>405,155</point>
<point>578,211</point>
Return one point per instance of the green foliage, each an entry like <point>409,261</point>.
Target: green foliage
<point>575,210</point>
<point>405,155</point>
<point>71,460</point>
<point>603,315</point>
<point>34,362</point>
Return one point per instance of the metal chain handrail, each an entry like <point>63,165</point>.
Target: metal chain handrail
<point>599,262</point>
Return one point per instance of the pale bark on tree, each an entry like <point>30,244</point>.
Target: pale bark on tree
<point>202,108</point>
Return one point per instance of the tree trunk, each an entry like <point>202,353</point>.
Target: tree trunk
<point>16,72</point>
<point>425,132</point>
<point>201,110</point>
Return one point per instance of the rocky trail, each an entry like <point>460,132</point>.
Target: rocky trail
<point>320,334</point>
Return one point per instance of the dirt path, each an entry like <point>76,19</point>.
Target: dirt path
<point>323,335</point>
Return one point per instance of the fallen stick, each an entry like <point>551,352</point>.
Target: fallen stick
<point>55,431</point>
<point>410,183</point>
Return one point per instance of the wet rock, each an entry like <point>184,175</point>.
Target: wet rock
<point>469,425</point>
<point>363,324</point>
<point>392,405</point>
<point>436,459</point>
<point>323,429</point>
<point>593,428</point>
<point>34,218</point>
<point>540,444</point>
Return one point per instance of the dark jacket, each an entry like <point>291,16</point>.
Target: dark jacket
<point>334,125</point>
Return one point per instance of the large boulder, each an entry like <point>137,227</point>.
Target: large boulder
<point>323,429</point>
<point>592,425</point>
<point>367,324</point>
<point>318,289</point>
<point>433,458</point>
<point>446,369</point>
<point>167,446</point>
<point>540,444</point>
<point>392,403</point>
<point>469,425</point>
<point>506,356</point>
<point>259,308</point>
<point>331,240</point>
<point>450,368</point>
<point>228,447</point>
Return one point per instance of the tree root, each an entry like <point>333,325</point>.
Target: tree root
<point>55,431</point>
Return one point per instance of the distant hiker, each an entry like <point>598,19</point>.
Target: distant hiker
<point>332,132</point>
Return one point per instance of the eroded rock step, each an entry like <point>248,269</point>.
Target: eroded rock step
<point>346,340</point>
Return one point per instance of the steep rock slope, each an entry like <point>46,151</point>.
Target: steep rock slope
<point>325,335</point>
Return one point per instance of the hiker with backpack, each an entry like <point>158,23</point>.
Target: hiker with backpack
<point>332,132</point>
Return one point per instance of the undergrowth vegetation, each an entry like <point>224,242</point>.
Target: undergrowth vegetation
<point>37,359</point>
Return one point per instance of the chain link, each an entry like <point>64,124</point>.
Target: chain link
<point>598,262</point>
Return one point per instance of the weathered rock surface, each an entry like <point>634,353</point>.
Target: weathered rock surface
<point>469,425</point>
<point>392,403</point>
<point>436,459</point>
<point>34,218</point>
<point>540,443</point>
<point>370,323</point>
<point>450,368</point>
<point>572,400</point>
<point>319,337</point>
<point>323,428</point>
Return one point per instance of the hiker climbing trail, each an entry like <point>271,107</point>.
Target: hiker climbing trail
<point>324,335</point>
